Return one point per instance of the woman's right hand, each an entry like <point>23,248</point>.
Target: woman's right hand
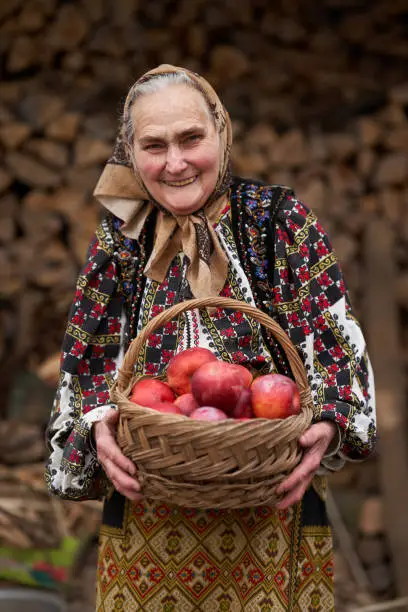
<point>119,469</point>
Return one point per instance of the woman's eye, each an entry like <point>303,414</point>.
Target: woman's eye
<point>154,146</point>
<point>193,138</point>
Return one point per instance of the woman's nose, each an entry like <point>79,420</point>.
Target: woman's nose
<point>175,162</point>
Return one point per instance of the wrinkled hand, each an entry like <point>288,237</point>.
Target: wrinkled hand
<point>315,440</point>
<point>119,469</point>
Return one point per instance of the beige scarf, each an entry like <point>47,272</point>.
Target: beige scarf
<point>121,190</point>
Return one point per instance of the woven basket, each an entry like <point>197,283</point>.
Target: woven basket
<point>201,464</point>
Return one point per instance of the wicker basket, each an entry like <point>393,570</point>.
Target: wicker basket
<point>201,464</point>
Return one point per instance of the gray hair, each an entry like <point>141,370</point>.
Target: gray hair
<point>152,85</point>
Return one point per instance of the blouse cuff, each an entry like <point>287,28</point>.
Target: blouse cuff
<point>91,417</point>
<point>332,460</point>
<point>335,443</point>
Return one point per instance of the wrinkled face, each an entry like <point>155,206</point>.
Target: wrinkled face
<point>176,148</point>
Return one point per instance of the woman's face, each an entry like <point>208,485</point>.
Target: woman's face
<point>176,148</point>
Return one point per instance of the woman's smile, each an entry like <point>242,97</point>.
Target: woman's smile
<point>181,182</point>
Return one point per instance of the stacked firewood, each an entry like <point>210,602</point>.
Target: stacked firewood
<point>29,517</point>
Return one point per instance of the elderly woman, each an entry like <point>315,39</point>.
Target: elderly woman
<point>177,226</point>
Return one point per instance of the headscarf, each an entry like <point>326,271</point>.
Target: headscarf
<point>121,190</point>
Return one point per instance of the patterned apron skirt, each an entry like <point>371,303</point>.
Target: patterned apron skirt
<point>159,557</point>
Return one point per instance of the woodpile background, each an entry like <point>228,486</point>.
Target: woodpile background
<point>28,517</point>
<point>318,93</point>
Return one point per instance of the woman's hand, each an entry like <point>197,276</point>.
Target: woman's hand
<point>316,440</point>
<point>117,467</point>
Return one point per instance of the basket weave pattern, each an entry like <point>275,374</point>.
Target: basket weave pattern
<point>202,464</point>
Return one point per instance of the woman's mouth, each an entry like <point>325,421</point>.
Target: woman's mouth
<point>181,183</point>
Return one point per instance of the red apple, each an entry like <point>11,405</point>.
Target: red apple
<point>275,396</point>
<point>243,407</point>
<point>208,413</point>
<point>167,407</point>
<point>183,365</point>
<point>217,384</point>
<point>247,377</point>
<point>186,403</point>
<point>150,391</point>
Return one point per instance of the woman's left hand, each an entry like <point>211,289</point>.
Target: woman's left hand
<point>315,440</point>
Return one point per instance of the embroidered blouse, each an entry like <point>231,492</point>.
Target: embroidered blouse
<point>307,297</point>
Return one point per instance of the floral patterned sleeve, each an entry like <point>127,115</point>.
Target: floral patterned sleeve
<point>73,471</point>
<point>90,355</point>
<point>313,305</point>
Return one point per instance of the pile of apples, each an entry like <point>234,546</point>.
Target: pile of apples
<point>202,387</point>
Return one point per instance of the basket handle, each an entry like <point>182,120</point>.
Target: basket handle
<point>125,373</point>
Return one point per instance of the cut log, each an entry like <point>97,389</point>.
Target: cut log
<point>397,139</point>
<point>52,153</point>
<point>366,159</point>
<point>82,230</point>
<point>55,268</point>
<point>68,30</point>
<point>28,169</point>
<point>39,109</point>
<point>5,180</point>
<point>34,14</point>
<point>89,151</point>
<point>100,126</point>
<point>341,146</point>
<point>344,180</point>
<point>7,8</point>
<point>95,10</point>
<point>369,130</point>
<point>13,134</point>
<point>122,11</point>
<point>290,150</point>
<point>40,227</point>
<point>228,62</point>
<point>23,54</point>
<point>392,170</point>
<point>346,247</point>
<point>74,62</point>
<point>105,40</point>
<point>10,281</point>
<point>247,162</point>
<point>392,204</point>
<point>48,370</point>
<point>8,214</point>
<point>314,194</point>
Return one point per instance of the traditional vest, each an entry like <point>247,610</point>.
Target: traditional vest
<point>113,276</point>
